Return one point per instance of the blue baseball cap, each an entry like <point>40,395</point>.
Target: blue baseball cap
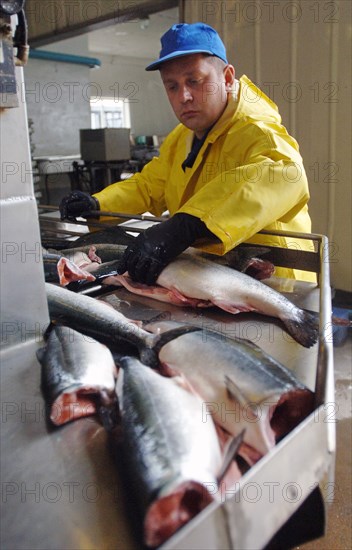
<point>184,39</point>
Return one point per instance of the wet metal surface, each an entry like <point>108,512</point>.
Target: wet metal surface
<point>61,487</point>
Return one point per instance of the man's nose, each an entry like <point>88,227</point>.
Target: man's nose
<point>185,94</point>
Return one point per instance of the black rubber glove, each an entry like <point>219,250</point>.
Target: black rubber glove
<point>158,245</point>
<point>77,202</point>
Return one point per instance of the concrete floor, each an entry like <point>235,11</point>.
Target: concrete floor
<point>339,522</point>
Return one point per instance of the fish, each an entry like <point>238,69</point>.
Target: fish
<point>246,258</point>
<point>173,456</point>
<point>58,269</point>
<point>106,252</point>
<point>112,234</point>
<point>52,243</point>
<point>91,253</point>
<point>237,292</point>
<point>241,258</point>
<point>191,280</point>
<point>80,267</point>
<point>242,386</point>
<point>88,260</point>
<point>50,261</point>
<point>78,375</point>
<point>99,320</point>
<point>100,273</point>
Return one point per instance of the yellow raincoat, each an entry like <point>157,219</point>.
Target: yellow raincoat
<point>247,176</point>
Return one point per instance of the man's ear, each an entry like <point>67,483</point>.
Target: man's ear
<point>229,74</point>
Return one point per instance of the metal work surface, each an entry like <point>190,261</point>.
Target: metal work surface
<point>61,487</point>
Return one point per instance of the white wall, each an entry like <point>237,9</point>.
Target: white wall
<point>58,97</point>
<point>125,77</point>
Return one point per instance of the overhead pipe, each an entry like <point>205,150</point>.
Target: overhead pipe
<point>91,62</point>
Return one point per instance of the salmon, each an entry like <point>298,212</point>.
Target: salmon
<point>78,375</point>
<point>172,454</point>
<point>243,387</point>
<point>100,321</point>
<point>58,269</point>
<point>191,280</point>
<point>195,281</point>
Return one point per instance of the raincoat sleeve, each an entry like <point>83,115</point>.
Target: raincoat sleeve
<point>270,186</point>
<point>143,192</point>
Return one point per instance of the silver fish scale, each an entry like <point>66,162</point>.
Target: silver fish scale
<point>159,422</point>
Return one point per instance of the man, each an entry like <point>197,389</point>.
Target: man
<point>227,171</point>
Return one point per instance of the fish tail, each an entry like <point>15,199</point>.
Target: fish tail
<point>304,327</point>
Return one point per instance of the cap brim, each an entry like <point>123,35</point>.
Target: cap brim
<point>156,64</point>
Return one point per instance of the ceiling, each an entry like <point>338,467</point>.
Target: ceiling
<point>137,38</point>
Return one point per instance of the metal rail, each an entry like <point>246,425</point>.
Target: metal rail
<point>97,213</point>
<point>290,257</point>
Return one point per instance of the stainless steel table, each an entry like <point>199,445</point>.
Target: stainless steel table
<point>62,490</point>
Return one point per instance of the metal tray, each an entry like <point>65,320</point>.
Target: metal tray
<point>62,489</point>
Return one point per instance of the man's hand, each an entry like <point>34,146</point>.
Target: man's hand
<point>77,202</point>
<point>158,245</point>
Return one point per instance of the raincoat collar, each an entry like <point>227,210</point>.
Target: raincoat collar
<point>227,115</point>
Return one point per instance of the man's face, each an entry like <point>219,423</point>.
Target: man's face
<point>197,89</point>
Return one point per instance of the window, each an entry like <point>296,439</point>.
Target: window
<point>110,113</point>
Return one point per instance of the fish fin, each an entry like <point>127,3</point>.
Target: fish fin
<point>149,355</point>
<point>232,308</point>
<point>172,334</point>
<point>177,298</point>
<point>230,452</point>
<point>40,354</point>
<point>49,329</point>
<point>236,394</point>
<point>109,416</point>
<point>305,330</point>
